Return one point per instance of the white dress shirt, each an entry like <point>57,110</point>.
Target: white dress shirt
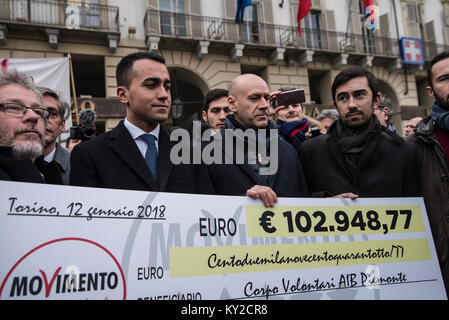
<point>137,132</point>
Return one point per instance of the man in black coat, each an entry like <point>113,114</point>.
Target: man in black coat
<point>358,156</point>
<point>259,164</point>
<point>22,128</point>
<point>135,155</point>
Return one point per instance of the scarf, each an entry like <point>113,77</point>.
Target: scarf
<point>440,116</point>
<point>294,132</point>
<point>352,145</point>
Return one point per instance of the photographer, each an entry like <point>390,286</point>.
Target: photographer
<point>293,126</point>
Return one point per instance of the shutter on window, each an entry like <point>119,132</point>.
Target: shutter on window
<point>231,28</point>
<point>299,42</point>
<point>430,46</point>
<point>356,17</point>
<point>195,11</point>
<point>316,4</point>
<point>153,16</point>
<point>413,20</point>
<point>382,42</point>
<point>265,15</point>
<point>329,28</point>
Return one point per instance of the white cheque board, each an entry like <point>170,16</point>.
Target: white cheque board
<point>61,242</point>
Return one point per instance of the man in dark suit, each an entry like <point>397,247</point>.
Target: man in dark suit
<point>358,156</point>
<point>55,161</point>
<point>260,164</point>
<point>135,155</point>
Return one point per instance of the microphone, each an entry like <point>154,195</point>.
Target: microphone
<point>87,117</point>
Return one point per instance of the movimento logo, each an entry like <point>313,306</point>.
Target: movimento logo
<point>66,268</point>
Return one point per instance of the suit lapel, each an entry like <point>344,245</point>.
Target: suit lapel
<point>164,164</point>
<point>248,169</point>
<point>125,147</point>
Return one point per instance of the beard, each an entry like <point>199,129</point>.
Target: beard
<point>441,102</point>
<point>357,125</point>
<point>29,148</point>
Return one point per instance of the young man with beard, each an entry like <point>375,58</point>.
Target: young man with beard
<point>358,156</point>
<point>431,138</point>
<point>260,164</point>
<point>22,128</point>
<point>135,155</point>
<point>55,160</point>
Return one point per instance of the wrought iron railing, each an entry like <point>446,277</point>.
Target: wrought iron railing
<point>170,24</point>
<point>61,14</point>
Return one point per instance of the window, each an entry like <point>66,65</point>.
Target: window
<point>414,20</point>
<point>91,13</point>
<point>173,21</point>
<point>369,45</point>
<point>312,29</point>
<point>249,30</point>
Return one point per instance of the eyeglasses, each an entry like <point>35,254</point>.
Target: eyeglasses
<point>18,110</point>
<point>54,113</point>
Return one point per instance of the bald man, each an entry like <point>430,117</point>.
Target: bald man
<point>259,164</point>
<point>410,127</point>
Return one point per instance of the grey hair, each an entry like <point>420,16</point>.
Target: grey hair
<point>328,113</point>
<point>385,102</point>
<point>63,107</point>
<point>20,78</point>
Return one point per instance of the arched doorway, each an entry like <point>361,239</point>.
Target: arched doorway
<point>387,90</point>
<point>189,89</point>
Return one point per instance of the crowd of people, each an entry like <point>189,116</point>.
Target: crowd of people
<point>348,152</point>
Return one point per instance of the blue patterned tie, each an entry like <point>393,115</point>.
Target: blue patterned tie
<point>151,154</point>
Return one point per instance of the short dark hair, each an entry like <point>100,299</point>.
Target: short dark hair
<point>351,73</point>
<point>123,73</point>
<point>213,95</point>
<point>440,56</point>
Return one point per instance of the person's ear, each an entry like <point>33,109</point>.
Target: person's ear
<point>62,127</point>
<point>377,100</point>
<point>204,116</point>
<point>429,91</point>
<point>122,94</point>
<point>232,102</point>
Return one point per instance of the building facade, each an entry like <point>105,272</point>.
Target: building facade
<point>205,48</point>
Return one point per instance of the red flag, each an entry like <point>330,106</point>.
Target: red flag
<point>303,10</point>
<point>367,3</point>
<point>4,65</point>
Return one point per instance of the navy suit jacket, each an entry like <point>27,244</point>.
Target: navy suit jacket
<point>112,160</point>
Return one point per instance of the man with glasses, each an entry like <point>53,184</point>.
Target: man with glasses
<point>55,161</point>
<point>22,127</point>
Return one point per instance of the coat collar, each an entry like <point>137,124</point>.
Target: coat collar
<point>125,147</point>
<point>62,157</point>
<point>250,169</point>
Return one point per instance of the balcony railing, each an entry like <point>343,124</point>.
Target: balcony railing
<point>169,24</point>
<point>60,14</point>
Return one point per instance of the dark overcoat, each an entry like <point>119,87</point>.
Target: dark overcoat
<point>237,178</point>
<point>387,167</point>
